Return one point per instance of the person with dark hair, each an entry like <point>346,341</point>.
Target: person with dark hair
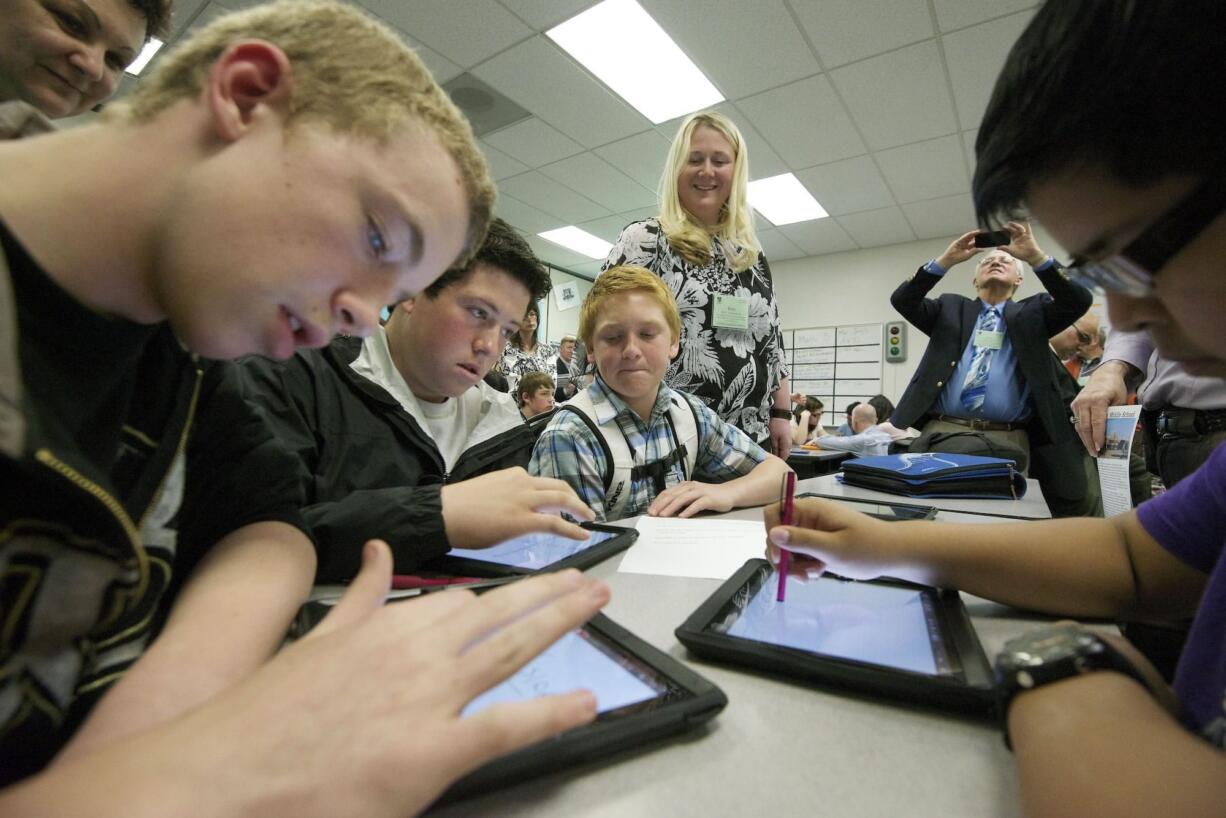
<point>398,434</point>
<point>845,429</point>
<point>988,371</point>
<point>1124,173</point>
<point>883,405</point>
<point>808,419</point>
<point>535,394</point>
<point>65,57</point>
<point>525,352</point>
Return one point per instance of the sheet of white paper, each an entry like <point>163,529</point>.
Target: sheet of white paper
<point>704,548</point>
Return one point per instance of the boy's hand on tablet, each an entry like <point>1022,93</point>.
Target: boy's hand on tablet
<point>826,536</point>
<point>495,507</point>
<point>371,699</point>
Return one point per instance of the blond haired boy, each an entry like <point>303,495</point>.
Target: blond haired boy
<point>628,444</point>
<point>288,171</point>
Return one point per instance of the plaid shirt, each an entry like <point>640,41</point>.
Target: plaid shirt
<point>569,451</point>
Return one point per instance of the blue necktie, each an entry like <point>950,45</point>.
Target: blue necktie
<point>975,388</point>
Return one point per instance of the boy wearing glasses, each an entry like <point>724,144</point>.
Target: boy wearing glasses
<point>988,369</point>
<point>1094,729</point>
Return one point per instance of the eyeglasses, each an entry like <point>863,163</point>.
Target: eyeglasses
<point>1083,337</point>
<point>1132,270</point>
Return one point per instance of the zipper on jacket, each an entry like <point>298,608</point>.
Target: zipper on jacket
<point>112,505</point>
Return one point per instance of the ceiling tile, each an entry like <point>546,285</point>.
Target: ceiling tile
<point>804,122</point>
<point>818,237</point>
<point>975,57</point>
<point>925,170</point>
<point>555,253</point>
<point>847,186</point>
<point>601,182</point>
<point>953,14</point>
<point>588,268</point>
<point>968,147</point>
<point>727,41</point>
<point>898,97</point>
<point>641,157</point>
<point>543,79</point>
<point>607,228</point>
<point>847,30</point>
<point>534,143</point>
<point>543,14</point>
<point>464,31</point>
<point>525,217</point>
<point>947,217</point>
<point>536,189</point>
<point>874,228</point>
<point>501,165</point>
<point>777,246</point>
<point>185,12</point>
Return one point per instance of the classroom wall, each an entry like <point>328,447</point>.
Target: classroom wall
<point>854,288</point>
<point>557,323</point>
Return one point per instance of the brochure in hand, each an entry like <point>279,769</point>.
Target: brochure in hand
<point>937,474</point>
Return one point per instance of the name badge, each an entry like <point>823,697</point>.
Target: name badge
<point>990,340</point>
<point>730,312</point>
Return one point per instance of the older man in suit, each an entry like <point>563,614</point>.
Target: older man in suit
<point>988,368</point>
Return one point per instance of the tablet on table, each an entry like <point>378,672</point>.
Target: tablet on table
<point>536,552</point>
<point>884,637</point>
<point>888,511</point>
<point>641,694</point>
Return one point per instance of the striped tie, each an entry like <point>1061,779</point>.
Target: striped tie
<point>975,388</point>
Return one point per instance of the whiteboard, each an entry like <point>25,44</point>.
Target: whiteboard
<point>860,353</point>
<point>814,356</point>
<point>818,337</point>
<point>859,334</point>
<point>870,369</point>
<point>855,387</point>
<point>814,371</point>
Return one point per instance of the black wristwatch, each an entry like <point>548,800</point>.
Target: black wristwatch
<point>1049,654</point>
<point>780,414</point>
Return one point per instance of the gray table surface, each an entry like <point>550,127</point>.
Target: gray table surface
<point>781,748</point>
<point>1031,507</point>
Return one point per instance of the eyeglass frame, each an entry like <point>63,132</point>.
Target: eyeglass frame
<point>1132,270</point>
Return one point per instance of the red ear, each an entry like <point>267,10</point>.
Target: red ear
<point>248,75</point>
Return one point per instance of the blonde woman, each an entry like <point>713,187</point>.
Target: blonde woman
<point>704,247</point>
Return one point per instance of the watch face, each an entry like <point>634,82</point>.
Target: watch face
<point>1049,645</point>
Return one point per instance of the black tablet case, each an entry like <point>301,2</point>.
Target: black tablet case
<point>975,695</point>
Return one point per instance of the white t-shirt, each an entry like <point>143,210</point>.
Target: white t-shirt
<point>450,423</point>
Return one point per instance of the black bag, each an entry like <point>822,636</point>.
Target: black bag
<point>976,443</point>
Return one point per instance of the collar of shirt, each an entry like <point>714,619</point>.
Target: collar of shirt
<point>608,404</point>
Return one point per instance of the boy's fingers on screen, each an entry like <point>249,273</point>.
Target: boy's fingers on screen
<point>500,653</point>
<point>365,594</point>
<point>554,500</point>
<point>509,604</point>
<point>506,727</point>
<point>554,524</point>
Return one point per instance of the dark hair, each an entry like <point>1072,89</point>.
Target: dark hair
<point>883,406</point>
<point>515,339</point>
<point>531,383</point>
<point>156,14</point>
<point>1119,84</point>
<point>505,249</point>
<point>852,406</point>
<point>811,405</point>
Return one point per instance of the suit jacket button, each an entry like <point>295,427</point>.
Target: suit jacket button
<point>940,383</point>
<point>953,363</point>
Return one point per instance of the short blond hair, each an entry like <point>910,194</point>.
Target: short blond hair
<point>351,73</point>
<point>691,240</point>
<point>624,279</point>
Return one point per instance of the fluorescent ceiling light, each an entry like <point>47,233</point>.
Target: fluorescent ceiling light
<point>143,58</point>
<point>783,199</point>
<point>628,51</point>
<point>581,241</point>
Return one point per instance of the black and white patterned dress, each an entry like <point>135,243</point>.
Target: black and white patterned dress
<point>735,372</point>
<point>516,362</point>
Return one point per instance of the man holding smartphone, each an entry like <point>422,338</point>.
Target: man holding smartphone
<point>988,371</point>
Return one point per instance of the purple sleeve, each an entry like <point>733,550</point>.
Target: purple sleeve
<point>1187,520</point>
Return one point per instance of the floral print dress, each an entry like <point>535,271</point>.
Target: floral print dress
<point>734,371</point>
<point>516,363</point>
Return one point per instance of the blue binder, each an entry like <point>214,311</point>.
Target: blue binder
<point>937,474</point>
